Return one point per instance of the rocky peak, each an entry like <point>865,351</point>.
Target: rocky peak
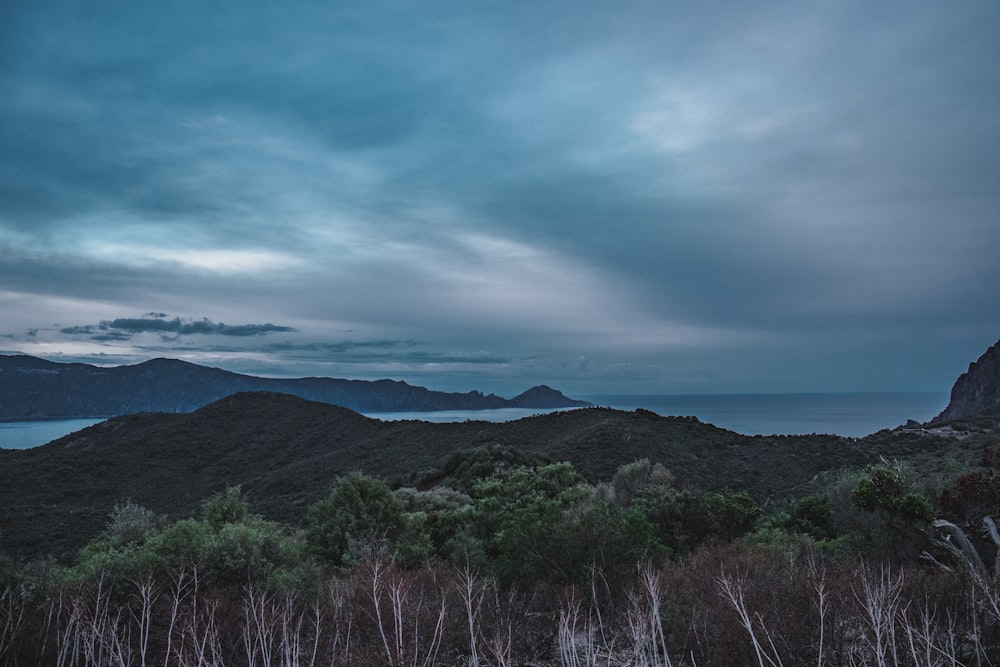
<point>977,391</point>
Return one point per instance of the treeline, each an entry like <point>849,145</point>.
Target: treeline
<point>500,560</point>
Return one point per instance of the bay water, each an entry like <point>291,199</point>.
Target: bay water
<point>847,414</point>
<point>24,435</point>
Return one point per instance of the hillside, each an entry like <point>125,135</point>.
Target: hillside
<point>32,388</point>
<point>286,452</point>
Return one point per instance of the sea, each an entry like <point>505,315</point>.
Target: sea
<point>24,435</point>
<point>852,415</point>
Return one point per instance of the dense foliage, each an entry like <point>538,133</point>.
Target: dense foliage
<point>507,560</point>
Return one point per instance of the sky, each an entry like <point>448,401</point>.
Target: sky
<point>606,197</point>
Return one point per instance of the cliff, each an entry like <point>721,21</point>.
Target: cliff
<point>977,391</point>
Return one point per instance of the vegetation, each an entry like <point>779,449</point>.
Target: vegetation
<point>286,453</point>
<point>502,562</point>
<point>588,538</point>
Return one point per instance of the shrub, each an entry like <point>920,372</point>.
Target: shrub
<point>686,519</point>
<point>639,478</point>
<point>358,507</point>
<point>129,523</point>
<point>883,487</point>
<point>254,550</point>
<point>224,507</point>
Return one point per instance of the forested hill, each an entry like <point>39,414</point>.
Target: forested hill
<point>33,388</point>
<point>286,453</point>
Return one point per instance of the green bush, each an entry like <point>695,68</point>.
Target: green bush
<point>811,516</point>
<point>254,550</point>
<point>182,543</point>
<point>130,523</point>
<point>224,507</point>
<point>358,508</point>
<point>686,519</point>
<point>639,478</point>
<point>883,487</point>
<point>548,525</point>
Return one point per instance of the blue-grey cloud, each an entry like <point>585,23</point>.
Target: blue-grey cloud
<point>337,347</point>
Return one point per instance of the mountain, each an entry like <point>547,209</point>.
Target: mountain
<point>977,391</point>
<point>32,388</point>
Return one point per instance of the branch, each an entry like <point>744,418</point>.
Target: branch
<point>964,547</point>
<point>991,527</point>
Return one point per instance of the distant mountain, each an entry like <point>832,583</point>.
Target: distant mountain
<point>33,388</point>
<point>977,391</point>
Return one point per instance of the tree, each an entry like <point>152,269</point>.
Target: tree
<point>549,524</point>
<point>254,550</point>
<point>224,507</point>
<point>883,487</point>
<point>358,507</point>
<point>129,523</point>
<point>685,519</point>
<point>638,478</point>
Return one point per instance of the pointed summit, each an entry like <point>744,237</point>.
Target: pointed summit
<point>544,396</point>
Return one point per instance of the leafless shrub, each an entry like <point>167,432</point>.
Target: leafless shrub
<point>732,590</point>
<point>408,609</point>
<point>12,616</point>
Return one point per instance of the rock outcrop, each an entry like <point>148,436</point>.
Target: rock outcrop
<point>977,391</point>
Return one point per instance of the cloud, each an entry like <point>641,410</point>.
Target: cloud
<point>112,336</point>
<point>84,330</point>
<point>403,351</point>
<point>338,347</point>
<point>124,328</point>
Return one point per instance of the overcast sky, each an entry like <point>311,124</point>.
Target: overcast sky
<point>607,197</point>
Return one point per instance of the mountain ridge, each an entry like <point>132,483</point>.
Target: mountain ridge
<point>32,388</point>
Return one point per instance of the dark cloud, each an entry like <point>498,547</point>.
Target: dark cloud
<point>125,328</point>
<point>186,328</point>
<point>84,330</point>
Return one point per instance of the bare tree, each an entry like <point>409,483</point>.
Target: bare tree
<point>760,638</point>
<point>472,600</point>
<point>146,593</point>
<point>12,613</point>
